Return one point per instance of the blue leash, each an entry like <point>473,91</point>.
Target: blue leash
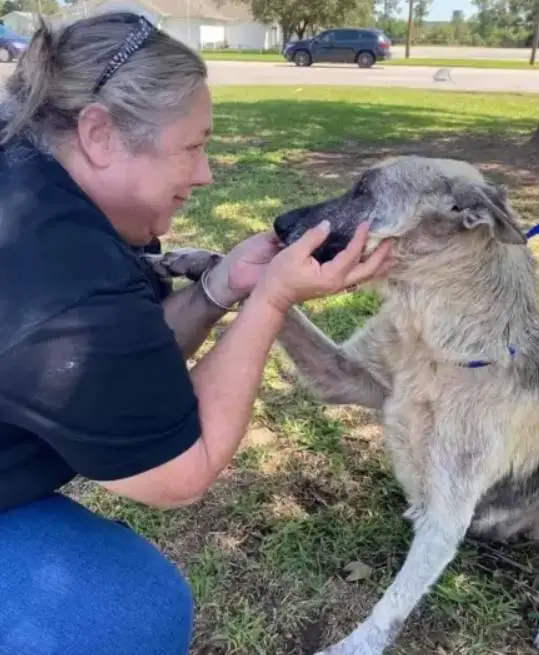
<point>533,231</point>
<point>478,363</point>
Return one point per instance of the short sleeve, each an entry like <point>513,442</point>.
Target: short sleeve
<point>104,384</point>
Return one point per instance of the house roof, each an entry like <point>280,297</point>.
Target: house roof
<point>227,11</point>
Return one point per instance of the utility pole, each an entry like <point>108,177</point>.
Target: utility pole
<point>535,40</point>
<point>410,28</point>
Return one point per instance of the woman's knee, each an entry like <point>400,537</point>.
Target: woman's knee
<point>82,584</point>
<point>167,610</point>
<point>147,598</point>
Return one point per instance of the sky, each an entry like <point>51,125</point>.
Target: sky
<point>443,9</point>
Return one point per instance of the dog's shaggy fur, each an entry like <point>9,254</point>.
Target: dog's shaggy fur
<point>464,440</point>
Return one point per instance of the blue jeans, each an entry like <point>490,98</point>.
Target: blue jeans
<point>73,583</point>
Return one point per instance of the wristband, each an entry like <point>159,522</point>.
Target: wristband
<point>203,282</point>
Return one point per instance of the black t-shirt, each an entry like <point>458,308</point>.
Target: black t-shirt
<point>91,378</point>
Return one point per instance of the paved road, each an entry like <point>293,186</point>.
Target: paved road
<point>462,79</point>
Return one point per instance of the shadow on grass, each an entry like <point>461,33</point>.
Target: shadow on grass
<point>301,123</point>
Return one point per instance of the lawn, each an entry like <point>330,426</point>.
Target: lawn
<point>272,57</point>
<point>311,489</point>
<point>463,63</point>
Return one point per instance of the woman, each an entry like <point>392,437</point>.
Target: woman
<point>105,125</point>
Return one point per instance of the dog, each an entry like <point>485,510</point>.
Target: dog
<point>451,362</point>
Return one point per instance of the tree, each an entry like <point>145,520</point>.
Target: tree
<point>409,35</point>
<point>535,40</point>
<point>505,22</point>
<point>11,5</point>
<point>43,6</point>
<point>362,14</point>
<point>458,23</point>
<point>421,11</point>
<point>387,12</point>
<point>298,16</point>
<point>439,35</point>
<point>47,6</point>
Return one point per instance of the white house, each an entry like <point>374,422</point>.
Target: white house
<point>201,24</point>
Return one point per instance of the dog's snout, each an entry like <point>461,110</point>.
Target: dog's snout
<point>286,223</point>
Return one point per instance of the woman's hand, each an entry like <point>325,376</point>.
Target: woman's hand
<point>294,276</point>
<point>240,270</point>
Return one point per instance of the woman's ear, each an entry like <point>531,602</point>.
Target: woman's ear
<point>99,139</point>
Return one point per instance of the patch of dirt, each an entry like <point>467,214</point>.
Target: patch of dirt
<point>313,496</point>
<point>261,436</point>
<point>487,152</point>
<point>310,636</point>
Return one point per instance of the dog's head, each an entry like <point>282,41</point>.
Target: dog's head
<point>439,197</point>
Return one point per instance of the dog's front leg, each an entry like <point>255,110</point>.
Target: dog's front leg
<point>331,373</point>
<point>453,485</point>
<point>434,546</point>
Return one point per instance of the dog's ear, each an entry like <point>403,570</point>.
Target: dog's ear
<point>487,205</point>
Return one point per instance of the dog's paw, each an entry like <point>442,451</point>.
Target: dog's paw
<point>185,262</point>
<point>349,646</point>
<point>367,639</point>
<point>339,649</point>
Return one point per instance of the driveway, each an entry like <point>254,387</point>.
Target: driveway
<point>459,79</point>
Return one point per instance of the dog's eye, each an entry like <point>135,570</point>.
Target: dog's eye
<point>359,189</point>
<point>456,209</point>
<point>365,183</point>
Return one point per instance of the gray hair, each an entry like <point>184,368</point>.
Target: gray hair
<point>56,78</point>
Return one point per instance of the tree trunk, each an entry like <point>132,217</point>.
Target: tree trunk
<point>287,33</point>
<point>535,40</point>
<point>301,28</point>
<point>410,28</point>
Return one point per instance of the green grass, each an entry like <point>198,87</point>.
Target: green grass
<point>507,64</point>
<point>273,57</point>
<point>311,489</point>
<point>242,55</point>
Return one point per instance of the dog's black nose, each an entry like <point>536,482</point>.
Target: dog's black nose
<point>290,222</point>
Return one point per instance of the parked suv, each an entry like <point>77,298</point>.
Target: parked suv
<point>363,47</point>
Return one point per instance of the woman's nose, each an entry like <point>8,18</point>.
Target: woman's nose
<point>203,175</point>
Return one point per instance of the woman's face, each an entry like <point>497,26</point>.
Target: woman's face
<point>141,192</point>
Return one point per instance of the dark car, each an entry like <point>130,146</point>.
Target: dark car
<point>360,46</point>
<point>11,44</point>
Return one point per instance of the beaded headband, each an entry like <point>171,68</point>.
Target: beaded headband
<point>133,42</point>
